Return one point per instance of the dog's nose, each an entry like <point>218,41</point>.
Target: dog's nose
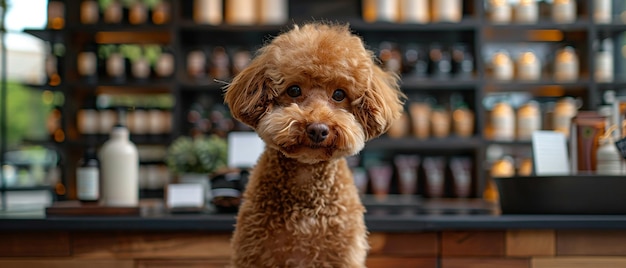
<point>317,132</point>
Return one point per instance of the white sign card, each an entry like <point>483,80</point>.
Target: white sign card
<point>550,155</point>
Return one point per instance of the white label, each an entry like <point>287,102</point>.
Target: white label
<point>87,183</point>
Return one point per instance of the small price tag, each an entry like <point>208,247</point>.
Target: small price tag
<point>621,146</point>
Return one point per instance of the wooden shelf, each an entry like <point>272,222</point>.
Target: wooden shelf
<point>409,143</point>
<point>466,24</point>
<point>579,25</point>
<point>449,83</point>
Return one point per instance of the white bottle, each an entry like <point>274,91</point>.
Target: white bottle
<point>609,159</point>
<point>119,162</point>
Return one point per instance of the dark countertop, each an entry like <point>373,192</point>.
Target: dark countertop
<point>391,216</point>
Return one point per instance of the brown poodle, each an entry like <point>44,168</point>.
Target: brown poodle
<point>314,95</point>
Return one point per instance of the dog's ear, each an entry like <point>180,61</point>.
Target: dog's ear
<point>247,95</point>
<point>382,103</point>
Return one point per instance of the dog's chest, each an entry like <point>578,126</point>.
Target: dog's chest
<point>300,242</point>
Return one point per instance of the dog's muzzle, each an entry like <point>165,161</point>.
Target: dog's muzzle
<point>317,132</point>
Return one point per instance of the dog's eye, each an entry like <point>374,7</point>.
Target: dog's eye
<point>294,91</point>
<point>339,95</point>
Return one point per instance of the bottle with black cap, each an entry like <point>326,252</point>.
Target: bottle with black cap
<point>88,177</point>
<point>120,168</point>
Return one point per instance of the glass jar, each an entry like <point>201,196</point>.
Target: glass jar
<point>207,12</point>
<point>241,12</point>
<point>503,167</point>
<point>447,10</point>
<point>196,63</point>
<point>527,12</point>
<point>440,122</point>
<point>414,11</point>
<point>56,15</point>
<point>161,12</point>
<point>528,66</point>
<point>602,11</point>
<point>113,12</point>
<point>566,65</point>
<point>420,116</point>
<point>503,121</point>
<point>89,12</point>
<point>137,12</point>
<point>564,11</point>
<point>274,12</point>
<point>463,122</point>
<point>502,66</point>
<point>87,63</point>
<point>528,120</point>
<point>500,11</point>
<point>564,110</point>
<point>604,66</point>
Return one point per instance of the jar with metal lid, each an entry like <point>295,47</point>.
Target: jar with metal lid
<point>527,11</point>
<point>447,10</point>
<point>602,11</point>
<point>564,11</point>
<point>528,120</point>
<point>503,167</point>
<point>503,121</point>
<point>414,11</point>
<point>528,66</point>
<point>564,110</point>
<point>500,11</point>
<point>566,65</point>
<point>502,66</point>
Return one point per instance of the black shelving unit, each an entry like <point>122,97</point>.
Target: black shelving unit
<point>182,34</point>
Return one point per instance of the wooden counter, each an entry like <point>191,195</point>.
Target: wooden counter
<point>397,239</point>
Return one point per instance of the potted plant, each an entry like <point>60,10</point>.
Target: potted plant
<point>196,156</point>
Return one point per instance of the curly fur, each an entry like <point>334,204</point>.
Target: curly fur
<point>301,208</point>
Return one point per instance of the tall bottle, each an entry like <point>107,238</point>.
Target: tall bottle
<point>120,169</point>
<point>88,177</point>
